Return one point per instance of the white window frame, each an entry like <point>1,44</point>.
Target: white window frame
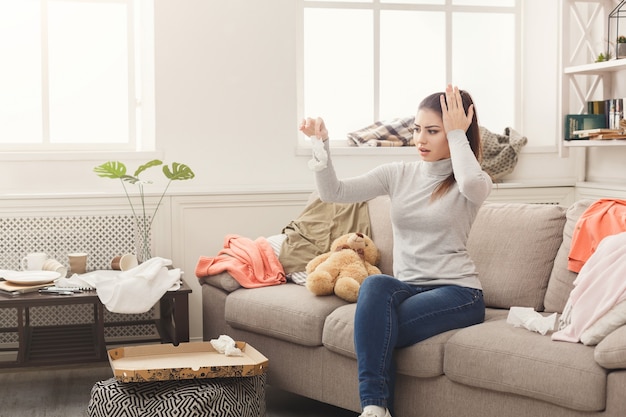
<point>141,114</point>
<point>340,144</point>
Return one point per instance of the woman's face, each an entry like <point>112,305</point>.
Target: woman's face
<point>429,136</point>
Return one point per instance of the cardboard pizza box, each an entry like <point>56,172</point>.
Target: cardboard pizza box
<point>161,362</point>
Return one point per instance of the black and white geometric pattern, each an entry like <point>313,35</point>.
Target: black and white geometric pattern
<point>215,397</point>
<point>101,236</point>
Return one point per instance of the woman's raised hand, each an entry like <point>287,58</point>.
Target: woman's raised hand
<point>314,127</point>
<point>452,111</point>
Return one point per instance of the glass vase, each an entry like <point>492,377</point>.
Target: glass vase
<point>143,242</point>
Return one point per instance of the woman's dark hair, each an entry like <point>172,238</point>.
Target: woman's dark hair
<point>433,103</point>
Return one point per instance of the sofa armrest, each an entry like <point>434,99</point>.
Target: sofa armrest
<point>610,353</point>
<point>223,281</point>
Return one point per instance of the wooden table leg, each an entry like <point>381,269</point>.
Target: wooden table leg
<point>99,322</point>
<point>174,321</point>
<point>181,317</point>
<point>21,336</point>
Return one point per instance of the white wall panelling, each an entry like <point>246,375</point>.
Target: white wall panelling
<point>537,195</point>
<point>595,191</point>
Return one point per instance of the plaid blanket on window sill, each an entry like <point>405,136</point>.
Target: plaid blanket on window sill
<point>396,132</point>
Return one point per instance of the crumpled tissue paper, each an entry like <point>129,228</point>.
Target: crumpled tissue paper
<point>226,345</point>
<point>528,318</point>
<point>319,160</point>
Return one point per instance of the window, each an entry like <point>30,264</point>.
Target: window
<point>365,61</point>
<point>75,74</point>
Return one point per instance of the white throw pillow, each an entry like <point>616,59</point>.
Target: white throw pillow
<point>605,325</point>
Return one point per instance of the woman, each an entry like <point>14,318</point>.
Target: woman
<point>434,201</point>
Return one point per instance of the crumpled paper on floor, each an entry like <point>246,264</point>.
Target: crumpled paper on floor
<point>226,345</point>
<point>528,318</point>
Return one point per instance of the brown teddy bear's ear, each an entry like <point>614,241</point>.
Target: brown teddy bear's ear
<point>372,254</point>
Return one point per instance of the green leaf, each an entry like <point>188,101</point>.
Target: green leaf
<point>178,172</point>
<point>134,180</point>
<point>111,169</point>
<point>150,164</point>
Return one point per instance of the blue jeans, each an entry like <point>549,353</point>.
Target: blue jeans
<point>393,314</point>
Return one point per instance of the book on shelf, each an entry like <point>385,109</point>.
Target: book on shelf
<point>600,134</point>
<point>608,136</point>
<point>578,122</point>
<point>597,107</point>
<point>598,131</point>
<point>612,109</point>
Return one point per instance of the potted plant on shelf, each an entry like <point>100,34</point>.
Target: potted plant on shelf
<point>621,47</point>
<point>143,221</point>
<point>604,57</point>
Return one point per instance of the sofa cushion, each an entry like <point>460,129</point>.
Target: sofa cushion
<point>223,281</point>
<point>289,312</point>
<point>338,333</point>
<point>562,279</point>
<point>513,246</point>
<point>611,351</point>
<point>382,235</point>
<point>425,359</point>
<point>500,357</point>
<point>422,360</point>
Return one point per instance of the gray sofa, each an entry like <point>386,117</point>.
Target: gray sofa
<point>489,370</point>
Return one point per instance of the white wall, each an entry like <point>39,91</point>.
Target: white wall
<point>226,104</point>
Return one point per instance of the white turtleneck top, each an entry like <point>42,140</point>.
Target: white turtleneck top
<point>430,237</point>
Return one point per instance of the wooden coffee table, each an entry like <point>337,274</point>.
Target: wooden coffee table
<point>80,343</point>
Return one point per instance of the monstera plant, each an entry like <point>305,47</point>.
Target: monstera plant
<point>143,220</point>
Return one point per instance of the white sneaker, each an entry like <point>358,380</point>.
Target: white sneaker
<point>371,413</point>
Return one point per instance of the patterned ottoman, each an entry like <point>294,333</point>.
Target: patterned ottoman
<point>213,397</point>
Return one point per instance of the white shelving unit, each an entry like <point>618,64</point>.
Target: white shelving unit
<point>597,68</point>
<point>583,37</point>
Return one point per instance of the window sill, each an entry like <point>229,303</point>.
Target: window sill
<point>340,148</point>
<point>304,149</point>
<point>80,155</point>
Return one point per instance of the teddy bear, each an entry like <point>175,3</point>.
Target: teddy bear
<point>351,259</point>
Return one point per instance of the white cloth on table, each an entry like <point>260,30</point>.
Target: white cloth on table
<point>133,291</point>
